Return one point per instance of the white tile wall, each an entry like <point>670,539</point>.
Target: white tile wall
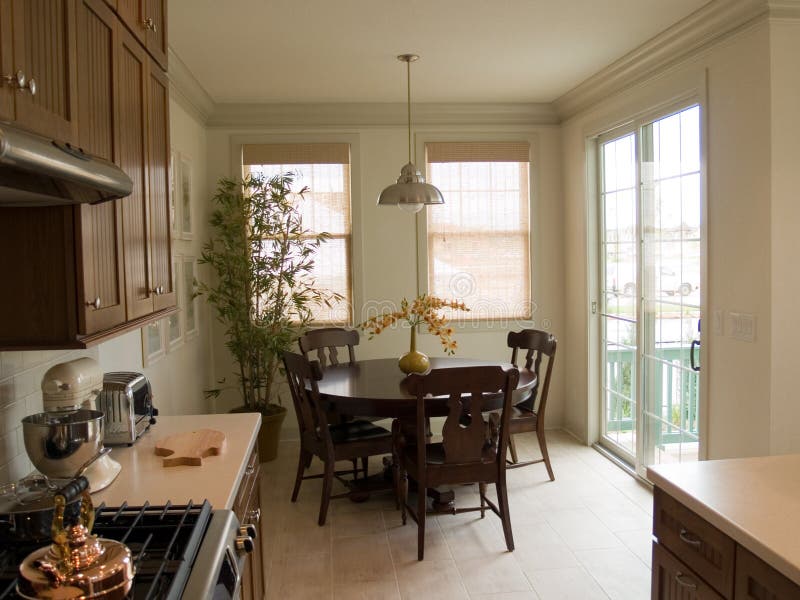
<point>20,395</point>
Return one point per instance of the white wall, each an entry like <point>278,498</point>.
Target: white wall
<point>386,238</point>
<point>733,80</point>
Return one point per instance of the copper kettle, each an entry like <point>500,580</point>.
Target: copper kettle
<point>77,564</point>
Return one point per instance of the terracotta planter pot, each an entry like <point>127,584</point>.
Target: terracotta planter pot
<point>270,433</point>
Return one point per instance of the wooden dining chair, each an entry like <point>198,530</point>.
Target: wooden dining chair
<point>331,443</point>
<point>528,415</point>
<point>326,342</point>
<point>469,453</point>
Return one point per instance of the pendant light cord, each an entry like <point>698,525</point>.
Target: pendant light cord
<point>408,76</point>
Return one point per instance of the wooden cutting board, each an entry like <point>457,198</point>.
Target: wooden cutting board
<point>191,447</point>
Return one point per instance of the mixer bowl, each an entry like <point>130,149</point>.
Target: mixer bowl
<point>58,443</point>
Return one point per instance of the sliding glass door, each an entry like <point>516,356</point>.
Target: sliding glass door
<point>650,297</point>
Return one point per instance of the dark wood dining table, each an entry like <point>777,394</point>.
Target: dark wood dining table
<point>377,388</point>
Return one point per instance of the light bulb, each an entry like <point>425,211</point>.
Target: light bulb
<point>410,207</point>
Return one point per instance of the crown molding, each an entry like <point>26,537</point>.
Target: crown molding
<point>186,90</point>
<point>379,114</point>
<point>705,27</point>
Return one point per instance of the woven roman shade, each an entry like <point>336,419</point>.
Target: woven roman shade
<point>448,152</point>
<point>296,154</point>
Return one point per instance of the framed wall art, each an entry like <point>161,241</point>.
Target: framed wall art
<point>152,343</point>
<point>187,300</point>
<point>174,325</point>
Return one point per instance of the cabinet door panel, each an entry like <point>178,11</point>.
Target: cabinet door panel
<point>155,15</point>
<point>756,580</point>
<point>44,49</point>
<point>6,62</point>
<point>132,86</point>
<point>673,580</point>
<point>158,177</point>
<point>132,14</point>
<point>101,293</point>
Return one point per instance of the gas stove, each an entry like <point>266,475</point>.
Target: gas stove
<point>178,550</point>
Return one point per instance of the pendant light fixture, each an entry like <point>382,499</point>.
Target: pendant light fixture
<point>410,193</point>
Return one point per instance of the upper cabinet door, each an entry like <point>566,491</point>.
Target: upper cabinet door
<point>101,281</point>
<point>155,19</point>
<point>158,179</point>
<point>6,63</point>
<point>132,14</point>
<point>44,51</point>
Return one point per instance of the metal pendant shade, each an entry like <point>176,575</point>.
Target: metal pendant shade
<point>410,193</point>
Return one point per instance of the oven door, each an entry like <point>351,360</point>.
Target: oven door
<point>217,570</point>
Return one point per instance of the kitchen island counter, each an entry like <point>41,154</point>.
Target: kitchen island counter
<point>144,479</point>
<point>755,501</point>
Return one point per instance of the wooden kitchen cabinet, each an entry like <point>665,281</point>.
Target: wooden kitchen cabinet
<point>147,21</point>
<point>692,559</point>
<point>101,276</point>
<point>43,46</point>
<point>6,63</point>
<point>247,507</point>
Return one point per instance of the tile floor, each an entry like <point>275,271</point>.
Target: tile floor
<point>584,536</point>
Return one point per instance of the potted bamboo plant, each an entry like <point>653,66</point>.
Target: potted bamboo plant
<point>263,291</point>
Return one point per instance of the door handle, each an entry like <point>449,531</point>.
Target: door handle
<point>695,344</point>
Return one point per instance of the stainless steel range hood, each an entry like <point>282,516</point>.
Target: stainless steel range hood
<point>37,171</point>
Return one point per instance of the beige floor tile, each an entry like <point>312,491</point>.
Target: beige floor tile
<point>369,590</point>
<point>492,574</point>
<point>305,540</point>
<point>361,559</point>
<point>566,584</point>
<point>582,530</point>
<point>621,574</point>
<point>299,578</point>
<point>539,547</point>
<point>640,543</point>
<point>353,524</point>
<point>530,595</point>
<point>469,536</point>
<point>403,541</point>
<point>430,580</point>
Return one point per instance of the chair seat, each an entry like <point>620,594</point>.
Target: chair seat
<point>357,431</point>
<point>434,455</point>
<point>521,413</point>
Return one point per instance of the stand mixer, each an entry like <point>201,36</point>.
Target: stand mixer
<point>72,386</point>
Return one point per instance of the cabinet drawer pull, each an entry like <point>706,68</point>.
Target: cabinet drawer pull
<point>95,304</point>
<point>20,81</point>
<point>250,470</point>
<point>685,581</point>
<point>689,538</point>
<point>255,516</point>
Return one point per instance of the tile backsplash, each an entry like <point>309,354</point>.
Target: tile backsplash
<point>20,395</point>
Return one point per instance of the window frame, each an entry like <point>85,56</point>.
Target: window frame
<point>532,139</point>
<point>355,267</point>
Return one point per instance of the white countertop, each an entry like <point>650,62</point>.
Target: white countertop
<point>756,501</point>
<point>143,478</point>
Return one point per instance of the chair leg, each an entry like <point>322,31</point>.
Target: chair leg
<point>513,448</point>
<point>327,484</point>
<point>505,517</point>
<point>545,455</point>
<point>355,468</point>
<point>403,494</point>
<point>482,493</point>
<point>422,498</point>
<point>302,462</point>
<point>365,465</point>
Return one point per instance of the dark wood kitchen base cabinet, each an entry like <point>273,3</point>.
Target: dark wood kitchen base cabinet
<point>78,275</point>
<point>247,507</point>
<point>692,559</point>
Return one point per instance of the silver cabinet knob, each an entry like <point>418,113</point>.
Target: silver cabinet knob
<point>95,304</point>
<point>244,544</point>
<point>158,290</point>
<point>254,516</point>
<point>16,80</point>
<point>32,86</point>
<point>150,25</point>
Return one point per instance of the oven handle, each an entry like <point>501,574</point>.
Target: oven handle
<point>233,559</point>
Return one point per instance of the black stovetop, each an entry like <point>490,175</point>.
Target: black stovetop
<point>162,539</point>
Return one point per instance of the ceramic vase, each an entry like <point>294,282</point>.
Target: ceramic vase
<point>413,361</point>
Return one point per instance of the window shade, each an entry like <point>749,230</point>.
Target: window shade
<point>448,152</point>
<point>296,154</point>
<point>478,243</point>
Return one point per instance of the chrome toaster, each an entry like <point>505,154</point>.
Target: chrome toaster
<point>127,402</point>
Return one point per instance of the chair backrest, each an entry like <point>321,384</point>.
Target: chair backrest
<point>327,341</point>
<point>303,376</point>
<point>537,344</point>
<point>467,390</point>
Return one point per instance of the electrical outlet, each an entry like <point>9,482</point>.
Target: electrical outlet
<point>743,326</point>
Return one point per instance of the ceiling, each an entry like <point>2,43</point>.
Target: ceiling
<point>289,51</point>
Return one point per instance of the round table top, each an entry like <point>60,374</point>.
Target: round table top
<point>376,388</point>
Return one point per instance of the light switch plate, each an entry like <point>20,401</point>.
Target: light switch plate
<point>743,326</point>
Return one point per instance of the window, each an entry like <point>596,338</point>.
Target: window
<point>325,170</point>
<point>479,240</point>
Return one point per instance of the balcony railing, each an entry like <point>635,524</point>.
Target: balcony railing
<point>674,393</point>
